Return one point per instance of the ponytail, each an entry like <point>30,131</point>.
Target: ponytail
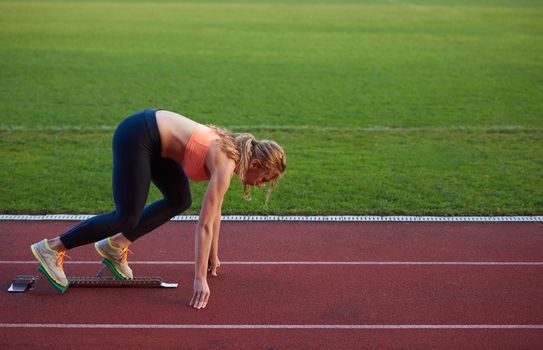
<point>242,148</point>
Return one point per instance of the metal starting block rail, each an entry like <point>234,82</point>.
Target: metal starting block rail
<point>104,279</point>
<point>136,282</point>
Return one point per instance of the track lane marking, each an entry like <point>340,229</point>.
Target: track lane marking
<point>298,218</point>
<point>270,326</point>
<point>188,262</point>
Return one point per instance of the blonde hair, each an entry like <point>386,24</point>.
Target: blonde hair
<point>243,148</point>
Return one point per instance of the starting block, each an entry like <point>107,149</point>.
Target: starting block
<point>104,279</point>
<point>22,283</point>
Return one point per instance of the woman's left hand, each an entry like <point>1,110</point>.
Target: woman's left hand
<point>201,294</point>
<point>213,264</point>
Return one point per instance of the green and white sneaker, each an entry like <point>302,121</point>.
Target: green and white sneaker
<point>115,258</point>
<point>51,264</point>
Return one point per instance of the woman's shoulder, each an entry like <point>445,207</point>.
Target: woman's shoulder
<point>218,159</point>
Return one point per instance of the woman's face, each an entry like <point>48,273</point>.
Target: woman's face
<point>256,175</point>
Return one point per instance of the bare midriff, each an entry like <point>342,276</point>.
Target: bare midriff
<point>175,131</point>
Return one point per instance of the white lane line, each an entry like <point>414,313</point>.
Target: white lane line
<point>188,262</point>
<point>270,326</point>
<point>311,218</point>
<point>310,128</point>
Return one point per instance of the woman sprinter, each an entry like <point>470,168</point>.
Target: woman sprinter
<point>167,149</point>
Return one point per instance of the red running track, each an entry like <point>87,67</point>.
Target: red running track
<point>295,285</point>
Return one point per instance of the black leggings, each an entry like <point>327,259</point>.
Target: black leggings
<point>136,162</point>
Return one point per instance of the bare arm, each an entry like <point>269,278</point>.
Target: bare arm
<point>214,261</point>
<point>204,235</point>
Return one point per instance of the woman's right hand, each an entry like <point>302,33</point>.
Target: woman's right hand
<point>213,264</point>
<point>201,294</point>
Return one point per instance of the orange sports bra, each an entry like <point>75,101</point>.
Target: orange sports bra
<point>196,152</point>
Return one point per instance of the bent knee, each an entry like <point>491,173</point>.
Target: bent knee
<point>126,222</point>
<point>180,205</point>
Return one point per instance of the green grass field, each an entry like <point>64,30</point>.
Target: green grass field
<point>383,107</point>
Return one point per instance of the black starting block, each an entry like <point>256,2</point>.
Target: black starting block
<point>104,279</point>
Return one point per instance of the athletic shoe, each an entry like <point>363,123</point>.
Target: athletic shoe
<point>51,263</point>
<point>115,258</point>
